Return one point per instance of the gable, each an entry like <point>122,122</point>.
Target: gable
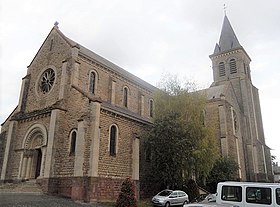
<point>231,97</point>
<point>47,61</point>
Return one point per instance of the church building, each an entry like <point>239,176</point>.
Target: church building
<point>78,124</point>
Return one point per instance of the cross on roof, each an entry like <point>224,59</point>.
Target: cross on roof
<point>225,9</point>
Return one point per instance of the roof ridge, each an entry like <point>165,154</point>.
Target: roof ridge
<point>89,53</point>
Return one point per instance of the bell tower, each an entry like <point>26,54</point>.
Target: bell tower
<point>231,66</point>
<point>230,62</point>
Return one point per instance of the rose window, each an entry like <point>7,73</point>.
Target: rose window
<point>47,80</point>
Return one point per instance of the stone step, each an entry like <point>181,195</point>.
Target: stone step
<point>26,186</point>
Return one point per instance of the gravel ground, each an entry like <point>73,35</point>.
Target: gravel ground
<point>35,199</point>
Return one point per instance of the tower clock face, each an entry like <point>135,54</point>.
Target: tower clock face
<point>47,80</point>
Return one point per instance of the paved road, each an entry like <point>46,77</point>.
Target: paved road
<point>39,200</point>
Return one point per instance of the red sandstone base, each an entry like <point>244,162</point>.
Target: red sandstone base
<point>86,189</point>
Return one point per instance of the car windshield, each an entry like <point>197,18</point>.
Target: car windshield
<point>165,193</point>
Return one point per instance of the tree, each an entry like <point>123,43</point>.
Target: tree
<point>225,169</point>
<point>182,146</point>
<point>192,190</point>
<point>127,196</point>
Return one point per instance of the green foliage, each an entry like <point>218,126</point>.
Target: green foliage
<point>127,195</point>
<point>225,169</point>
<point>182,146</point>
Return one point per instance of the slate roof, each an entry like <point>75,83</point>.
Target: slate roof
<point>215,92</point>
<point>228,39</point>
<point>83,50</point>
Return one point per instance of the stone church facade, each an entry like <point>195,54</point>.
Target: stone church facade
<point>78,124</point>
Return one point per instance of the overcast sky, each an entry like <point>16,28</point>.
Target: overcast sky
<point>147,38</point>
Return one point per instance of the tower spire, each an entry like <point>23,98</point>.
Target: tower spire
<point>228,39</point>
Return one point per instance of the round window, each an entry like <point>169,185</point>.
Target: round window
<point>47,80</point>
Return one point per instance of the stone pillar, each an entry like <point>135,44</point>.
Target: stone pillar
<point>23,170</point>
<point>95,139</point>
<point>113,92</point>
<point>238,157</point>
<point>78,188</point>
<point>223,130</point>
<point>142,109</point>
<point>255,159</point>
<point>80,149</point>
<point>20,166</point>
<point>28,168</point>
<point>253,115</point>
<point>75,74</point>
<point>49,152</point>
<point>63,81</point>
<point>43,161</point>
<point>135,158</point>
<point>264,162</point>
<point>7,150</point>
<point>20,102</point>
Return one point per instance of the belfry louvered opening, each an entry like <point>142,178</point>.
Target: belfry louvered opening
<point>222,70</point>
<point>232,66</point>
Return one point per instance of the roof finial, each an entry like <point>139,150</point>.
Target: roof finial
<point>56,24</point>
<point>225,9</point>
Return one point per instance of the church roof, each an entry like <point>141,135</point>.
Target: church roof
<point>228,39</point>
<point>215,91</point>
<point>83,50</point>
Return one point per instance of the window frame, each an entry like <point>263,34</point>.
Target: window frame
<point>222,69</point>
<point>92,84</point>
<point>277,195</point>
<point>112,148</point>
<point>151,108</point>
<point>232,66</point>
<point>125,96</point>
<point>73,142</point>
<point>238,192</point>
<point>258,200</point>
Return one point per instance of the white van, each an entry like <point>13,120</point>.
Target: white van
<point>248,194</point>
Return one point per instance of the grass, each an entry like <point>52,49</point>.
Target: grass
<point>144,203</point>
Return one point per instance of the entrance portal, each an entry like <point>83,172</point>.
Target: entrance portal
<point>33,153</point>
<point>38,163</point>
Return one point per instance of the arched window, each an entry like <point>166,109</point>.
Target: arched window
<point>92,82</point>
<point>151,108</point>
<point>125,97</point>
<point>232,66</point>
<point>222,70</point>
<point>113,140</point>
<point>73,137</point>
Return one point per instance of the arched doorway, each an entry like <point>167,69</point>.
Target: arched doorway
<point>38,162</point>
<point>33,154</point>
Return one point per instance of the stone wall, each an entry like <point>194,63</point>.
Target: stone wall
<point>3,139</point>
<point>51,55</point>
<point>221,120</point>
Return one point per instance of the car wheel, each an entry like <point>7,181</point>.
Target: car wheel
<point>185,203</point>
<point>167,204</point>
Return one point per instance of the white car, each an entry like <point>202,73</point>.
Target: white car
<point>208,205</point>
<point>170,198</point>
